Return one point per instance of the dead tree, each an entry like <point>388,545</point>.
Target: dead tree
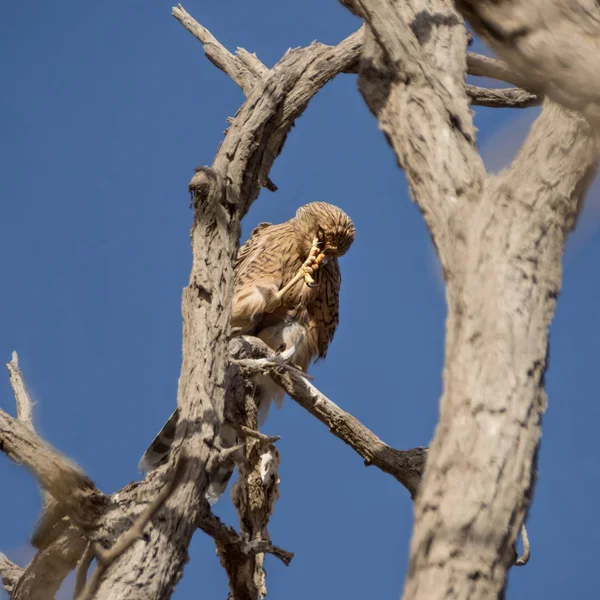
<point>500,241</point>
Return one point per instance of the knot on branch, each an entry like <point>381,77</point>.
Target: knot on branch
<point>206,189</point>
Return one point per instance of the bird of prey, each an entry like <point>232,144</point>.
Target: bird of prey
<point>286,292</point>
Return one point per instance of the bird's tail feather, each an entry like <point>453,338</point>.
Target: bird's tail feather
<point>267,392</point>
<point>220,476</point>
<point>159,449</point>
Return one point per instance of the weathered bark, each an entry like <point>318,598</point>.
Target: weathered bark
<point>500,242</point>
<point>481,467</point>
<point>254,495</point>
<point>406,51</point>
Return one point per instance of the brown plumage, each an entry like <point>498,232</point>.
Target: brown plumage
<point>273,258</point>
<point>267,262</point>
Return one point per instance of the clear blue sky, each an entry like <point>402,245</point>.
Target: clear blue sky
<point>106,108</point>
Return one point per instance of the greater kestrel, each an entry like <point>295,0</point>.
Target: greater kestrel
<point>286,292</point>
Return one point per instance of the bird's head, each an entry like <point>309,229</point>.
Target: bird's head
<point>329,224</point>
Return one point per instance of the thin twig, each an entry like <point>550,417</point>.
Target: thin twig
<point>270,185</point>
<point>524,558</point>
<point>225,453</point>
<point>106,557</point>
<point>17,382</point>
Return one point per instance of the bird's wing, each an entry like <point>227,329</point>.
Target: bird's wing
<point>325,309</point>
<point>263,264</point>
<point>249,250</point>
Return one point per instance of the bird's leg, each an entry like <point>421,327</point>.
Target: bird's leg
<point>309,268</point>
<point>306,271</point>
<point>311,264</point>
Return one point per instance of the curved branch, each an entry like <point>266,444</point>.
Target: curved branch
<point>235,549</point>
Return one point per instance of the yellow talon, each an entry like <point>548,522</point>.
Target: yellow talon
<point>315,257</point>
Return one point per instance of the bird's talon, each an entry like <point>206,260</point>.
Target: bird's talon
<point>319,259</point>
<point>311,285</point>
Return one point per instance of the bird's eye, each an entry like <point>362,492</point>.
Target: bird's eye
<point>321,236</point>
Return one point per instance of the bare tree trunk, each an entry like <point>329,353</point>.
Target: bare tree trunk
<point>481,467</point>
<point>500,241</point>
